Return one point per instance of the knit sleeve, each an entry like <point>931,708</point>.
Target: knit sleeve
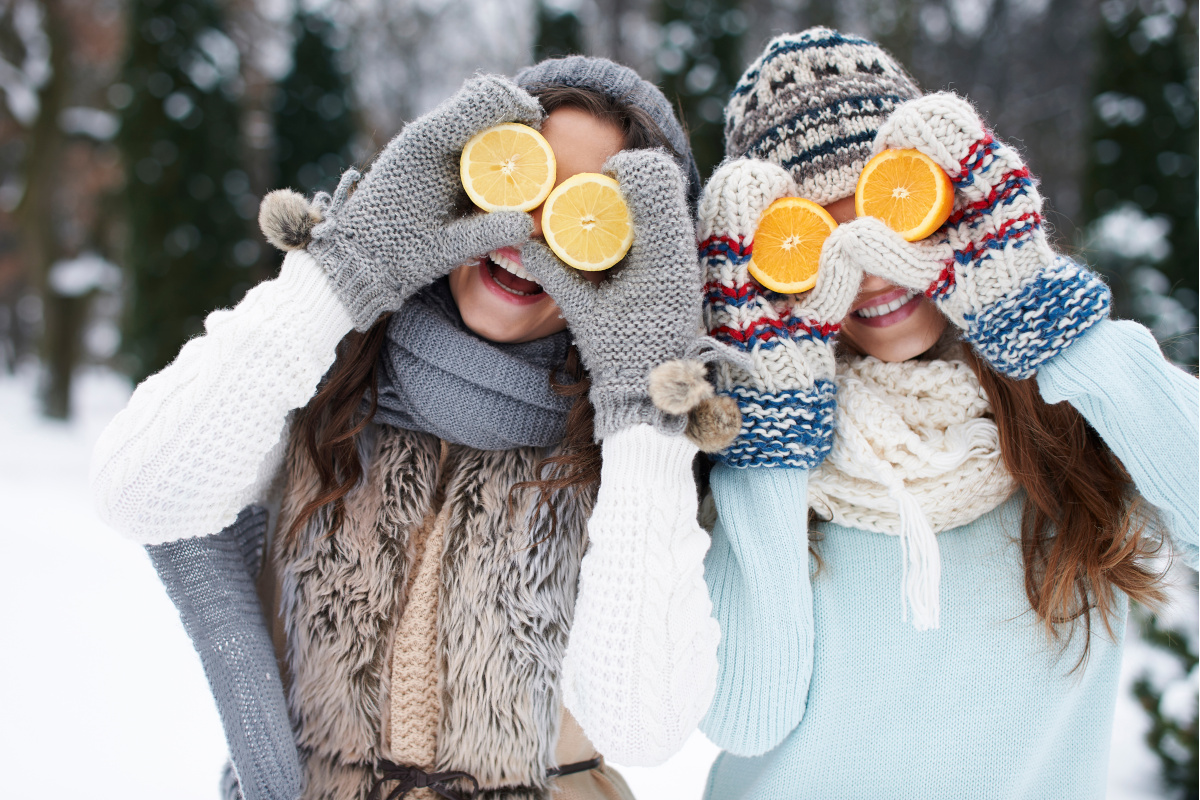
<point>641,661</point>
<point>758,575</point>
<point>1146,410</point>
<point>204,438</point>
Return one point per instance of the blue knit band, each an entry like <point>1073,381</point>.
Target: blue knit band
<point>784,429</point>
<point>1019,333</point>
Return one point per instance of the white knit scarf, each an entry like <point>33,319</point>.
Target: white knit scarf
<point>916,453</point>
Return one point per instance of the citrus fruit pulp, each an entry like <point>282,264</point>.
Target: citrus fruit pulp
<point>787,245</point>
<point>586,222</point>
<point>509,166</point>
<point>907,190</point>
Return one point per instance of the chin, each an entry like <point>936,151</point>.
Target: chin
<point>499,316</point>
<point>905,339</point>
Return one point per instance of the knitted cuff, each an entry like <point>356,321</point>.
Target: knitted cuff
<point>1021,332</point>
<point>360,283</point>
<point>783,429</point>
<point>619,409</point>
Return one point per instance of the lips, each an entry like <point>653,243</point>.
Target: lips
<point>886,309</point>
<point>498,274</point>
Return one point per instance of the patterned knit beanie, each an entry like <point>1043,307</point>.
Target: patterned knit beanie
<point>812,104</point>
<point>626,86</point>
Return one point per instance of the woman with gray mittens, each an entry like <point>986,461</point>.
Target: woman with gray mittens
<point>422,521</point>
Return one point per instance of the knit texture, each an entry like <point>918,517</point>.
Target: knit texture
<point>984,701</point>
<point>787,395</point>
<point>395,233</point>
<point>204,438</point>
<point>626,86</point>
<point>501,393</point>
<point>812,103</point>
<point>211,582</point>
<point>639,690</point>
<point>648,310</point>
<point>990,268</point>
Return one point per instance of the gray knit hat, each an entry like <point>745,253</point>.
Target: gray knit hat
<point>622,84</point>
<point>812,104</point>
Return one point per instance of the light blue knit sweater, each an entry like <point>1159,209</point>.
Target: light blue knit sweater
<point>824,692</point>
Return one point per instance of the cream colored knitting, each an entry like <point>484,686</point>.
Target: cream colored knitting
<point>916,453</point>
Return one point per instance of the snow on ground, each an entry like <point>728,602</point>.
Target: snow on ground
<point>100,688</point>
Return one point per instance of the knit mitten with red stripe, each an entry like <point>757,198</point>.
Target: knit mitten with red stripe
<point>989,268</point>
<point>787,396</point>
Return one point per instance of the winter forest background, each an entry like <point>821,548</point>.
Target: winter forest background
<point>137,136</point>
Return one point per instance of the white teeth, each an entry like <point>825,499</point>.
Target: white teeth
<point>510,265</point>
<point>887,308</point>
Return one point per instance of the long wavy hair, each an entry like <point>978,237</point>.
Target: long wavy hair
<point>346,401</point>
<point>1085,533</point>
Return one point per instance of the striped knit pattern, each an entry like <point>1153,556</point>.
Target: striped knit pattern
<point>812,103</point>
<point>787,396</point>
<point>1018,301</point>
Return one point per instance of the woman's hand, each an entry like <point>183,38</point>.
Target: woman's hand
<point>990,268</point>
<point>394,234</point>
<point>647,310</point>
<point>787,395</point>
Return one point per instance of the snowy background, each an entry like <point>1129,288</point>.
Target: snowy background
<point>103,695</point>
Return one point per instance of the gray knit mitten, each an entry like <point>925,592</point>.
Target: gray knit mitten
<point>211,581</point>
<point>647,311</point>
<point>990,268</point>
<point>394,233</point>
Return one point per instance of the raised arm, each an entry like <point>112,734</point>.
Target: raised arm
<point>641,660</point>
<point>1146,410</point>
<point>203,438</point>
<point>758,568</point>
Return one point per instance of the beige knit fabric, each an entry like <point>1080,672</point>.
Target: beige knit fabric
<point>414,694</point>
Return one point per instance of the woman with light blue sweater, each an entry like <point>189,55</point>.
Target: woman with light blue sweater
<point>927,533</point>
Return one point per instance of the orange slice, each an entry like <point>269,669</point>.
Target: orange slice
<point>509,166</point>
<point>787,245</point>
<point>907,190</point>
<point>586,222</point>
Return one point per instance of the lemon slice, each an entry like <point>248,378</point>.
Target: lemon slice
<point>787,245</point>
<point>907,190</point>
<point>586,222</point>
<point>509,166</point>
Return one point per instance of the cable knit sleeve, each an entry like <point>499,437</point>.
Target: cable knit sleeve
<point>1146,410</point>
<point>641,663</point>
<point>204,438</point>
<point>758,575</point>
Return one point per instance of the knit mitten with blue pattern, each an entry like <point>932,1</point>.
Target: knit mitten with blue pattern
<point>787,395</point>
<point>990,268</point>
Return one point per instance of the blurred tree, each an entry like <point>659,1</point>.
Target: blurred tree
<point>559,32</point>
<point>1172,709</point>
<point>314,121</point>
<point>700,61</point>
<point>187,254</point>
<point>1141,193</point>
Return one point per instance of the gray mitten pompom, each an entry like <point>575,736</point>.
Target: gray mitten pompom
<point>287,219</point>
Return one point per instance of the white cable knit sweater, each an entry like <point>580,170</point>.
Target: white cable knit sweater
<point>205,437</point>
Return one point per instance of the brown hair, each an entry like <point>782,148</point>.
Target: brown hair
<point>346,401</point>
<point>1085,534</point>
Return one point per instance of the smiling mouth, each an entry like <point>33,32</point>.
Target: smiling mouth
<point>506,270</point>
<point>878,310</point>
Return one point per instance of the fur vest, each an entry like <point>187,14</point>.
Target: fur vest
<point>506,600</point>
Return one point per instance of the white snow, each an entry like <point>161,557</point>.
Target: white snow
<point>93,122</point>
<point>102,689</point>
<point>75,277</point>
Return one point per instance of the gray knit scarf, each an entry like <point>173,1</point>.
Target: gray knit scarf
<point>438,377</point>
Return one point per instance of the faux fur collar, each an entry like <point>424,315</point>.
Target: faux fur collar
<point>506,602</point>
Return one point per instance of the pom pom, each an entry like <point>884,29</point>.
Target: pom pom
<point>678,386</point>
<point>714,423</point>
<point>287,219</point>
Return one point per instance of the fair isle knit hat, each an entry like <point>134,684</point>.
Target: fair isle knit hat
<point>812,104</point>
<point>626,86</point>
